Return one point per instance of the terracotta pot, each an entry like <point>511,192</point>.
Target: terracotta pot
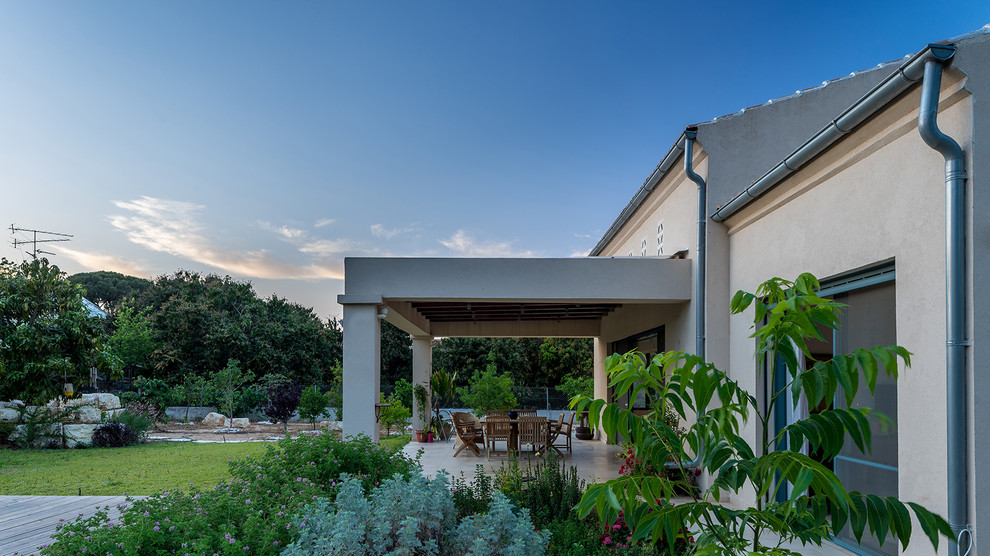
<point>420,436</point>
<point>583,433</point>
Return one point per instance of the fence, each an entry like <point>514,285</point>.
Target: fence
<point>529,397</point>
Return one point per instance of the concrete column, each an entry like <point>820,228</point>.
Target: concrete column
<point>362,369</point>
<point>422,368</point>
<point>601,381</point>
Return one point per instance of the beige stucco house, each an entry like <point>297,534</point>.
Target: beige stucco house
<point>875,182</point>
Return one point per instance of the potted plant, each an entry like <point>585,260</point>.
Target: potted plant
<point>421,394</point>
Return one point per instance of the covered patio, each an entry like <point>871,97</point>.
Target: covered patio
<point>482,297</point>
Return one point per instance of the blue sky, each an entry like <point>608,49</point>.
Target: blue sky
<point>269,140</point>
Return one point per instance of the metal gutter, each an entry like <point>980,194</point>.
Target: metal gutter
<point>690,134</point>
<point>651,182</point>
<point>908,74</point>
<point>955,302</point>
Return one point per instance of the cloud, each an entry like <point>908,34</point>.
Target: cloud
<point>378,230</point>
<point>172,227</point>
<point>284,231</point>
<point>99,261</point>
<point>324,222</point>
<point>578,254</point>
<point>464,245</point>
<point>328,247</point>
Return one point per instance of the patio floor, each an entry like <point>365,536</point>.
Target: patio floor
<point>595,461</point>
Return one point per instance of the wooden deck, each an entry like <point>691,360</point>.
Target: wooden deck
<point>27,522</point>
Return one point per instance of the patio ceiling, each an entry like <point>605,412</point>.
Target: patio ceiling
<point>449,311</point>
<point>510,297</point>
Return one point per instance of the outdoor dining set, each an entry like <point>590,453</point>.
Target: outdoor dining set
<point>516,431</point>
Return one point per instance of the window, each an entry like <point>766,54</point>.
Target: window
<point>869,319</point>
<point>643,250</point>
<point>660,238</point>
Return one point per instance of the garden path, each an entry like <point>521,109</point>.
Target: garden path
<point>27,522</point>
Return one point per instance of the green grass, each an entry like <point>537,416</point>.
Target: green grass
<point>136,470</point>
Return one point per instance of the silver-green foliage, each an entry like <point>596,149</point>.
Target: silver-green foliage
<point>410,517</point>
<point>787,315</point>
<point>500,532</point>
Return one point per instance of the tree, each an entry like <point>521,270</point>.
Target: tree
<point>228,382</point>
<point>200,322</point>
<point>47,338</point>
<point>283,399</point>
<point>313,404</point>
<point>488,390</point>
<point>787,315</point>
<point>395,415</point>
<point>133,338</point>
<point>396,354</point>
<point>110,289</point>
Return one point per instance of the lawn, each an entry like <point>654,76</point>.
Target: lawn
<point>135,470</point>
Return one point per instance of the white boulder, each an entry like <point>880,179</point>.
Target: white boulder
<point>214,420</point>
<point>78,434</point>
<point>9,414</point>
<point>88,414</point>
<point>240,422</point>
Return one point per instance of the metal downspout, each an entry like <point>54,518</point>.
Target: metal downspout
<point>699,320</point>
<point>699,284</point>
<point>955,293</point>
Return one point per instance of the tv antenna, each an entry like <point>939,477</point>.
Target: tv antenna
<point>34,241</point>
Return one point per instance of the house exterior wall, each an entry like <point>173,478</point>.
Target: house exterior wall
<point>975,63</point>
<point>877,196</point>
<point>674,203</point>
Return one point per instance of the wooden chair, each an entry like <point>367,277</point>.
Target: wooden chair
<point>553,433</point>
<point>526,412</point>
<point>497,429</point>
<point>497,413</point>
<point>566,431</point>
<point>533,432</point>
<point>468,433</point>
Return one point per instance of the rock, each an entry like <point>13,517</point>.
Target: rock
<point>9,414</point>
<point>78,434</point>
<point>240,422</point>
<point>214,420</point>
<point>103,400</point>
<point>13,404</point>
<point>88,414</point>
<point>50,438</point>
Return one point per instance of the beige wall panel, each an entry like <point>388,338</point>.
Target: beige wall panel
<point>675,202</point>
<point>847,211</point>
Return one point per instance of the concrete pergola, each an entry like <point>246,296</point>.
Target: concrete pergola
<point>444,297</point>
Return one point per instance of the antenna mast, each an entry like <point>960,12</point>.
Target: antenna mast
<point>34,241</point>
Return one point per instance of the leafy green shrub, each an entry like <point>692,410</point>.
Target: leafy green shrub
<point>235,517</point>
<point>322,458</point>
<point>39,427</point>
<point>553,492</point>
<point>487,390</point>
<point>248,514</point>
<point>313,405</point>
<point>573,386</point>
<point>788,315</point>
<point>404,392</point>
<point>114,435</point>
<point>403,516</point>
<point>474,497</point>
<point>397,415</point>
